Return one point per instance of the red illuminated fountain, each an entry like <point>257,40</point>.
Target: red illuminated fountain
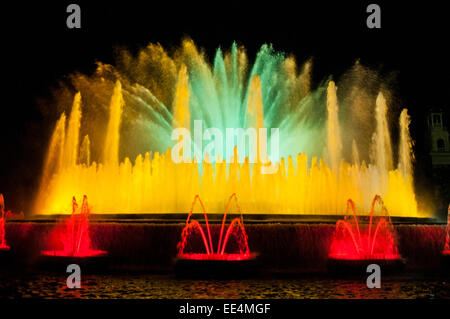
<point>358,243</point>
<point>446,251</point>
<point>447,237</point>
<point>3,245</point>
<point>71,242</point>
<point>232,256</point>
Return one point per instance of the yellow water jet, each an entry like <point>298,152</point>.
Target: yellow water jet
<point>154,183</point>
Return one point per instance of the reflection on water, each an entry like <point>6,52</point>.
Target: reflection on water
<point>166,286</point>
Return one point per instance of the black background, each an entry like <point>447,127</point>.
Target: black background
<point>294,308</point>
<point>38,50</point>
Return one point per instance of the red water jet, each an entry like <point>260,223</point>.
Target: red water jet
<point>3,243</point>
<point>235,230</point>
<point>74,235</point>
<point>446,251</point>
<point>375,240</point>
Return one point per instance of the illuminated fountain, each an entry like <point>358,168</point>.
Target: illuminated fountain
<point>447,237</point>
<point>319,161</point>
<point>446,251</point>
<point>232,253</point>
<point>358,242</point>
<point>235,229</point>
<point>3,245</point>
<point>72,239</point>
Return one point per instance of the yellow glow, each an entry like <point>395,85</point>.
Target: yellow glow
<point>159,186</point>
<point>155,184</point>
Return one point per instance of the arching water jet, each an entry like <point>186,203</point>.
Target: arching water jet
<point>358,242</point>
<point>223,261</point>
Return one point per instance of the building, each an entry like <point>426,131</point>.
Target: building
<point>439,143</point>
<point>439,151</point>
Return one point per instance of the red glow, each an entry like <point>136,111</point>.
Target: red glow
<point>226,257</point>
<point>447,237</point>
<point>355,241</point>
<point>80,254</point>
<point>3,244</point>
<point>73,239</point>
<point>235,230</point>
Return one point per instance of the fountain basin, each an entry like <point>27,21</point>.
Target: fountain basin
<point>358,267</point>
<point>57,260</point>
<point>74,240</point>
<point>225,266</point>
<point>301,247</point>
<point>356,245</point>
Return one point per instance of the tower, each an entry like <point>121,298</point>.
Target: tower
<point>439,143</point>
<point>439,151</point>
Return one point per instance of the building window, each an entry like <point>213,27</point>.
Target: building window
<point>437,120</point>
<point>440,145</point>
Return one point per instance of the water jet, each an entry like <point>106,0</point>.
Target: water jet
<point>358,242</point>
<point>446,251</point>
<point>3,245</point>
<point>71,242</point>
<point>230,259</point>
<point>315,174</point>
<point>5,252</point>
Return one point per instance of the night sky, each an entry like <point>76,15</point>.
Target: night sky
<point>39,50</point>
